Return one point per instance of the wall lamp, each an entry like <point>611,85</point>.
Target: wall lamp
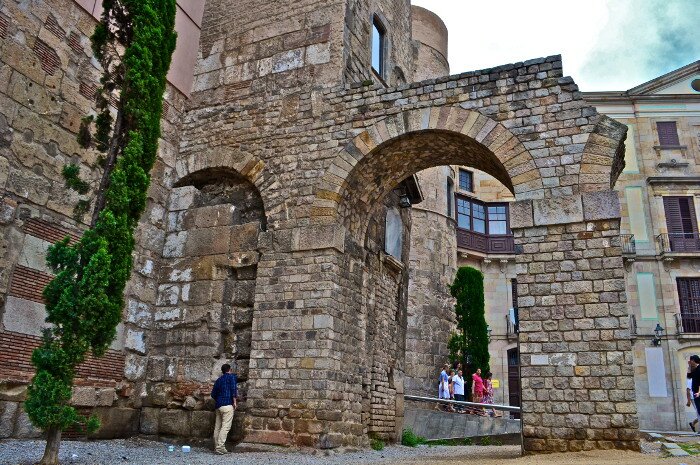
<point>488,333</point>
<point>658,332</point>
<point>404,201</point>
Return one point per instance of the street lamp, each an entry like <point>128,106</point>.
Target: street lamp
<point>658,332</point>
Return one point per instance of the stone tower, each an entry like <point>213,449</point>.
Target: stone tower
<point>433,256</point>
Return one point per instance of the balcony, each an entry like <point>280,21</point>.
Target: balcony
<point>629,247</point>
<point>485,243</point>
<point>679,243</point>
<point>688,323</point>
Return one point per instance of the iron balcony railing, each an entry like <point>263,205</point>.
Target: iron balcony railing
<point>688,323</point>
<point>628,245</point>
<point>678,242</point>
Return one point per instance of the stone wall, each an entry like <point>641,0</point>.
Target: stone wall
<point>47,82</point>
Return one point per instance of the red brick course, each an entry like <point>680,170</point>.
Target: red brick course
<point>52,26</point>
<point>27,283</point>
<point>47,231</point>
<point>4,24</point>
<point>50,62</point>
<point>15,362</point>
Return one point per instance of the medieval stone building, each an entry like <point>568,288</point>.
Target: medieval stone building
<point>278,232</point>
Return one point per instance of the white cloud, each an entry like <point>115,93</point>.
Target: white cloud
<point>605,44</point>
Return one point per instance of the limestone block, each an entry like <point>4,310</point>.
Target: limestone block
<point>208,241</point>
<point>175,244</point>
<point>557,210</point>
<point>174,422</point>
<point>116,422</point>
<point>319,237</point>
<point>135,341</point>
<point>33,254</point>
<point>4,171</point>
<point>287,60</point>
<point>202,423</point>
<point>601,205</point>
<point>26,184</point>
<point>182,198</point>
<point>24,428</point>
<point>149,420</point>
<point>83,396</point>
<point>244,237</point>
<point>317,54</point>
<point>521,214</point>
<point>7,210</point>
<point>24,316</point>
<point>8,412</point>
<point>105,397</point>
<point>135,367</point>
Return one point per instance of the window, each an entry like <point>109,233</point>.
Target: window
<point>680,216</point>
<point>668,134</point>
<point>498,219</point>
<point>689,299</point>
<point>466,180</point>
<point>464,212</point>
<point>393,235</point>
<point>482,218</point>
<point>450,197</point>
<point>378,46</point>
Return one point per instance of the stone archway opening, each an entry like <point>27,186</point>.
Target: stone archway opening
<point>371,197</point>
<point>205,299</point>
<point>567,222</point>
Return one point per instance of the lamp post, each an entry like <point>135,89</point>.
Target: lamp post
<point>658,332</point>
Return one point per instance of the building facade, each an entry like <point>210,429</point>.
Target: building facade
<point>659,189</point>
<point>277,231</point>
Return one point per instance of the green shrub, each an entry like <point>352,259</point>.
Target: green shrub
<point>410,439</point>
<point>376,443</point>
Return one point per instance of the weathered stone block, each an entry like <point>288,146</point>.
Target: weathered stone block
<point>600,205</point>
<point>557,210</point>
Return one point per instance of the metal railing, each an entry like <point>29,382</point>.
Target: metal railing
<point>435,400</point>
<point>688,323</point>
<point>629,247</point>
<point>678,242</point>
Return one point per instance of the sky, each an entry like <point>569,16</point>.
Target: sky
<point>605,44</point>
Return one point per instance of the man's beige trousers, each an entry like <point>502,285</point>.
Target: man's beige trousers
<point>224,417</point>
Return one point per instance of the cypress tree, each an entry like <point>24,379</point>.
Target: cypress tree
<point>134,42</point>
<point>471,341</point>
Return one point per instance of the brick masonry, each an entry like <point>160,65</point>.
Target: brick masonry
<point>283,103</point>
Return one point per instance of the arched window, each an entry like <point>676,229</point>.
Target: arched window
<point>393,235</point>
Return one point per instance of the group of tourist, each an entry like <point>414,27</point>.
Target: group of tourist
<point>451,386</point>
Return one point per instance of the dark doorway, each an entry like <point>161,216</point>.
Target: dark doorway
<point>514,380</point>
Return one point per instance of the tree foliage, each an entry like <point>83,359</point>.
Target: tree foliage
<point>470,343</point>
<point>134,42</point>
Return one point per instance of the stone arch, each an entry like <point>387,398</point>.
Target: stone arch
<point>603,156</point>
<point>372,164</point>
<point>207,289</point>
<point>222,158</point>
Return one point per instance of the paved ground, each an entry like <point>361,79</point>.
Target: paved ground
<point>139,451</point>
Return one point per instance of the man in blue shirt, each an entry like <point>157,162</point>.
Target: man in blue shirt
<point>225,393</point>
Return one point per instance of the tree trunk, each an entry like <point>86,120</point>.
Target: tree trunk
<point>53,442</point>
<point>111,161</point>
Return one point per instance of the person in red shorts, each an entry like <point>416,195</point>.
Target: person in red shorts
<point>478,389</point>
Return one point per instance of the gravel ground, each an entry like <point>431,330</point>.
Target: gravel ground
<point>140,451</point>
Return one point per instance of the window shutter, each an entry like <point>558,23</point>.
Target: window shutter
<point>680,215</point>
<point>668,134</point>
